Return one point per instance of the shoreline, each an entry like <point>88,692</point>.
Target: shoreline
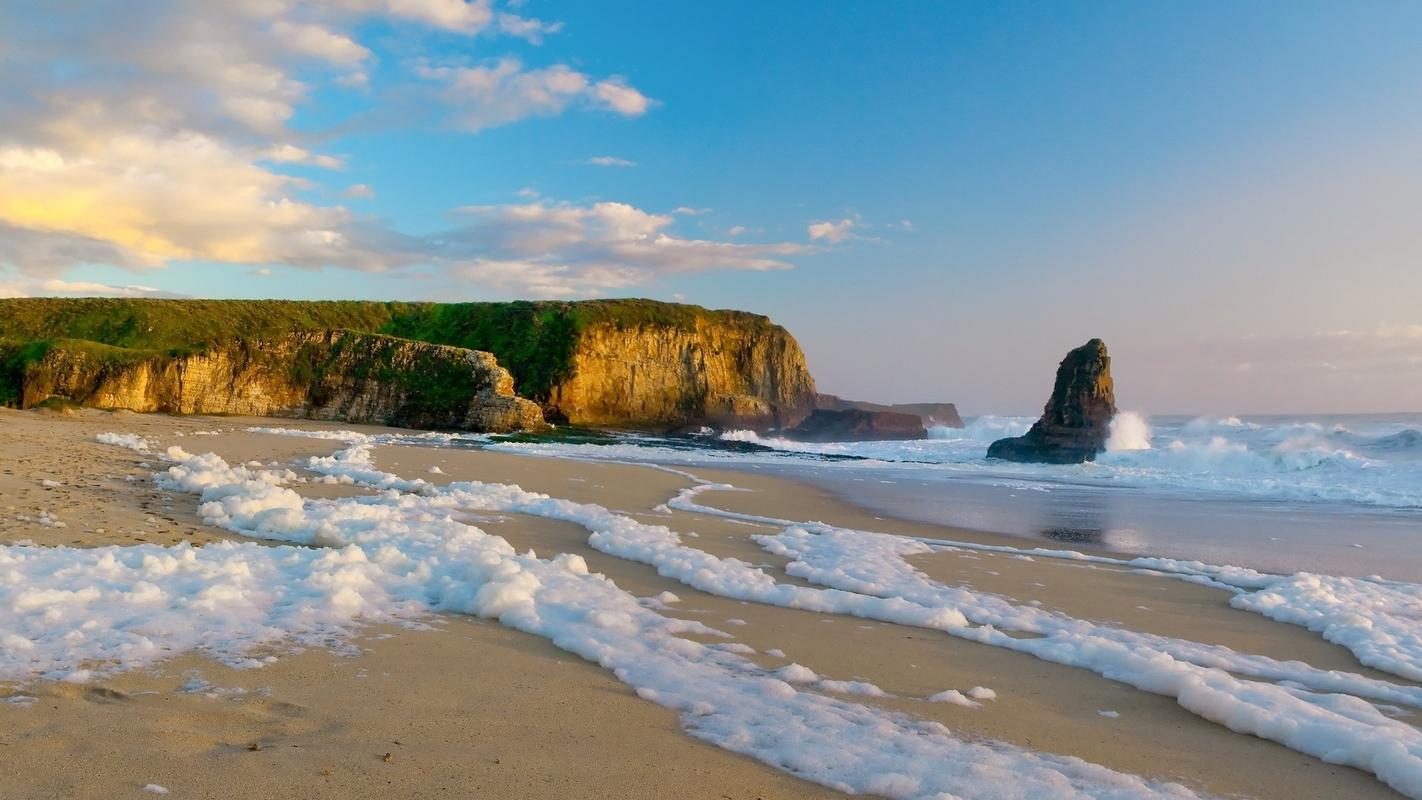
<point>1039,705</point>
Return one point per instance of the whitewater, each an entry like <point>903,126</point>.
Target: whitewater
<point>408,550</point>
<point>1330,494</point>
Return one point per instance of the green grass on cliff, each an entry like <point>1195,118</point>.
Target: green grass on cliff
<point>535,340</point>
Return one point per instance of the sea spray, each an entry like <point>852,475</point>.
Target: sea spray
<point>1129,431</point>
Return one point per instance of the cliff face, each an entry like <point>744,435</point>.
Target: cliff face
<point>857,425</point>
<point>619,363</point>
<point>1076,421</point>
<point>331,375</point>
<point>732,375</point>
<point>945,414</point>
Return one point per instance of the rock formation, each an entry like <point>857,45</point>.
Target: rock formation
<point>944,414</point>
<point>330,375</point>
<point>857,425</point>
<point>1077,419</point>
<point>731,375</point>
<point>614,363</point>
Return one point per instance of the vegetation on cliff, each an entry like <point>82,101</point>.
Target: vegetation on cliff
<point>669,348</point>
<point>328,374</point>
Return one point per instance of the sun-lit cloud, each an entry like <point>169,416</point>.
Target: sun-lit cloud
<point>504,91</point>
<point>528,29</point>
<point>23,286</point>
<point>564,249</point>
<point>609,161</point>
<point>618,96</point>
<point>832,232</point>
<point>320,42</point>
<point>291,154</point>
<point>185,197</point>
<point>169,138</point>
<point>461,16</point>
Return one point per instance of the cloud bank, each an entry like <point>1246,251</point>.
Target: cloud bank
<point>170,138</point>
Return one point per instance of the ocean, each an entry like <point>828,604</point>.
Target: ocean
<point>1340,495</point>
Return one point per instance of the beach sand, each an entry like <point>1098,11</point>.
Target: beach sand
<point>468,708</point>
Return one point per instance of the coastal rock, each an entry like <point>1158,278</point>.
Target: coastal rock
<point>329,375</point>
<point>1077,419</point>
<point>613,363</point>
<point>857,425</point>
<point>932,414</point>
<point>720,372</point>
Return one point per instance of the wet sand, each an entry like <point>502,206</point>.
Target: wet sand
<point>479,710</point>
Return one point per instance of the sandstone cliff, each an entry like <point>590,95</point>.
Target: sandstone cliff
<point>621,363</point>
<point>1077,419</point>
<point>731,375</point>
<point>332,375</point>
<point>633,363</point>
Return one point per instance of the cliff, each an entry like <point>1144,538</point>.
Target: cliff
<point>622,363</point>
<point>633,363</point>
<point>331,375</point>
<point>733,375</point>
<point>945,414</point>
<point>857,425</point>
<point>1076,421</point>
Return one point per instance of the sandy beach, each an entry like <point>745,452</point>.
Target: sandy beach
<point>457,706</point>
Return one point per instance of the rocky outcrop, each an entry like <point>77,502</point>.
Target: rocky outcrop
<point>329,375</point>
<point>615,363</point>
<point>648,375</point>
<point>857,425</point>
<point>932,414</point>
<point>1077,419</point>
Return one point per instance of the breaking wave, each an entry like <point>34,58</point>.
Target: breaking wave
<point>1373,461</point>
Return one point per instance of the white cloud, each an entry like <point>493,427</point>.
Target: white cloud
<point>832,232</point>
<point>503,91</point>
<point>531,30</point>
<point>735,230</point>
<point>562,249</point>
<point>164,139</point>
<point>609,161</point>
<point>616,95</point>
<point>12,285</point>
<point>320,42</point>
<point>291,154</point>
<point>180,197</point>
<point>463,16</point>
<point>690,211</point>
<point>92,289</point>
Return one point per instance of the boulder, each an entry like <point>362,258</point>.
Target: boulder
<point>855,425</point>
<point>1077,419</point>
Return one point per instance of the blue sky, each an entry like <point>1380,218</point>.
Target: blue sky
<point>938,199</point>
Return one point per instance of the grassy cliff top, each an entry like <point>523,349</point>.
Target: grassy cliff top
<point>535,340</point>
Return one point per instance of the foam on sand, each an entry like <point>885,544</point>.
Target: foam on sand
<point>865,574</point>
<point>403,551</point>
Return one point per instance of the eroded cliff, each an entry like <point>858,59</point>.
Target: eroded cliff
<point>620,363</point>
<point>731,375</point>
<point>333,375</point>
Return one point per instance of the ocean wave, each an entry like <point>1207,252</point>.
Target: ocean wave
<point>1365,461</point>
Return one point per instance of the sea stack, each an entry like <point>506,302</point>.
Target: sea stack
<point>1077,420</point>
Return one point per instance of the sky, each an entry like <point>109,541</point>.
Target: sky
<point>938,199</point>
